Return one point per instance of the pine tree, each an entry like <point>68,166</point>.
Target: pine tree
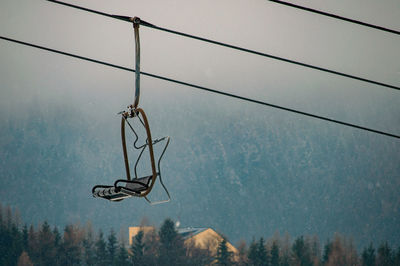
<point>253,254</point>
<point>57,237</point>
<point>100,250</point>
<point>172,251</point>
<point>122,258</point>
<point>25,237</point>
<point>16,245</point>
<point>258,254</point>
<point>11,245</point>
<point>368,256</point>
<point>385,255</point>
<point>57,245</point>
<point>47,253</point>
<point>327,252</point>
<point>263,255</point>
<point>3,243</point>
<point>397,257</point>
<point>32,244</point>
<point>2,236</point>
<point>301,252</point>
<point>112,248</point>
<point>224,256</point>
<point>151,247</point>
<point>274,254</point>
<point>315,250</point>
<point>137,249</point>
<point>340,251</point>
<point>71,247</point>
<point>88,247</point>
<point>351,253</point>
<point>243,260</point>
<point>285,251</point>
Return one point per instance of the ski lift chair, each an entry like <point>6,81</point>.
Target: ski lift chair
<point>137,186</point>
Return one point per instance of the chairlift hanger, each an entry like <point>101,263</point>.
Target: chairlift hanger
<point>137,186</point>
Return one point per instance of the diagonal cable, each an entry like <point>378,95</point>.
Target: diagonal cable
<point>205,88</point>
<point>369,25</point>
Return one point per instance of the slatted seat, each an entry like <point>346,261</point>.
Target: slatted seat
<point>122,189</point>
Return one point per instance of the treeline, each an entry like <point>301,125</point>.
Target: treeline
<point>79,245</point>
<point>307,251</point>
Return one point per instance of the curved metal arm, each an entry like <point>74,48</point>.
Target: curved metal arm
<point>149,144</point>
<point>159,174</point>
<point>136,23</point>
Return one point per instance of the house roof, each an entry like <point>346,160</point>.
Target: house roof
<point>190,232</point>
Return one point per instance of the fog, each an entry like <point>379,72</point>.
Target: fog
<point>201,124</point>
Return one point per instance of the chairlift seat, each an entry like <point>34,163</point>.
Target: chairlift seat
<point>122,189</point>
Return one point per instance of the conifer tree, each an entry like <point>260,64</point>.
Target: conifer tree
<point>71,247</point>
<point>25,237</point>
<point>258,254</point>
<point>3,243</point>
<point>243,260</point>
<point>100,253</point>
<point>397,257</point>
<point>112,247</point>
<point>11,243</point>
<point>263,256</point>
<point>285,256</point>
<point>47,253</point>
<point>172,251</point>
<point>253,254</point>
<point>57,245</point>
<point>385,255</point>
<point>137,249</point>
<point>327,252</point>
<point>16,245</point>
<point>32,244</point>
<point>274,254</point>
<point>301,252</point>
<point>57,237</point>
<point>122,258</point>
<point>315,250</point>
<point>368,256</point>
<point>224,256</point>
<point>151,247</point>
<point>88,247</point>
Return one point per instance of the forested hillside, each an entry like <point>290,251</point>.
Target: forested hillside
<point>236,170</point>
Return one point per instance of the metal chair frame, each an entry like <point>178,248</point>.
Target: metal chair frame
<point>135,187</point>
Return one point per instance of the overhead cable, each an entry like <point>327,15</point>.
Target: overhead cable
<point>204,88</point>
<point>147,24</point>
<point>336,16</point>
